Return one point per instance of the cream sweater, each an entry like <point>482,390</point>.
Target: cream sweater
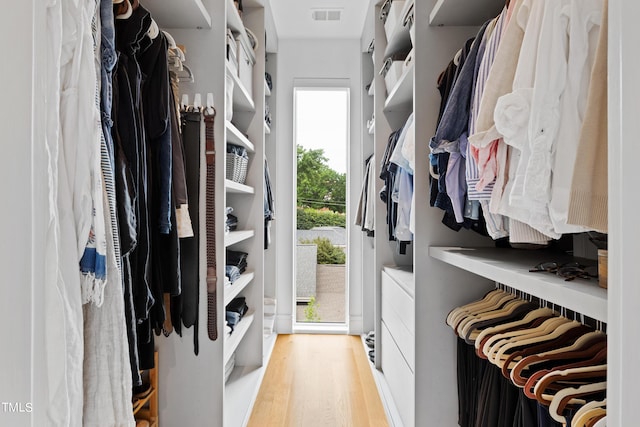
<point>589,192</point>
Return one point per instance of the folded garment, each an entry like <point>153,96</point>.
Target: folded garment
<point>233,319</point>
<point>238,305</point>
<point>232,272</point>
<point>236,257</point>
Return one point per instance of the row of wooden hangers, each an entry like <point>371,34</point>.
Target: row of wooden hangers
<point>560,362</point>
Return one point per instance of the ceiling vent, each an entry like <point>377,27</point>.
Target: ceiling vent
<point>326,14</point>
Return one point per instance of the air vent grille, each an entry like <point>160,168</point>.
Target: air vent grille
<point>326,14</point>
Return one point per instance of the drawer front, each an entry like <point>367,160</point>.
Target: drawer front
<point>399,377</point>
<point>398,313</point>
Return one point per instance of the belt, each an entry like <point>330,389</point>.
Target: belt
<point>210,154</point>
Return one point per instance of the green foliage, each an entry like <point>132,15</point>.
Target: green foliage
<point>327,253</point>
<point>308,218</point>
<point>311,311</point>
<point>319,186</point>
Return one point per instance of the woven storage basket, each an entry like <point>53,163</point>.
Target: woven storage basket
<point>237,162</point>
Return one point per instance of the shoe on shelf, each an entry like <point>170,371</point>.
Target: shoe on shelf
<point>371,342</point>
<point>371,334</point>
<point>372,356</point>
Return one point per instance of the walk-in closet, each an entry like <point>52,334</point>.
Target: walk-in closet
<point>149,174</point>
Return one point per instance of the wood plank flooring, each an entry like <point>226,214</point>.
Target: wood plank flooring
<point>318,381</point>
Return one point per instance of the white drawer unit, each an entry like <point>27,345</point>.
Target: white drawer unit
<point>399,377</point>
<point>398,313</point>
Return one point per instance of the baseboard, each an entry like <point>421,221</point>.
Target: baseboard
<point>284,324</point>
<point>356,325</point>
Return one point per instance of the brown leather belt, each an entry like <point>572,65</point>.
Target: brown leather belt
<point>210,153</point>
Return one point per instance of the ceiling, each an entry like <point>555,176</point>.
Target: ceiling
<point>292,19</point>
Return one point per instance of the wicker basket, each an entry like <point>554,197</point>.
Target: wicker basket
<point>237,162</point>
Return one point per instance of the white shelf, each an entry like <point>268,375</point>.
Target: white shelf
<point>237,236</point>
<point>267,91</point>
<point>239,332</point>
<point>236,137</point>
<point>511,268</point>
<point>237,188</point>
<point>189,14</point>
<point>232,291</point>
<point>401,96</point>
<point>267,129</point>
<point>464,12</point>
<point>242,101</point>
<point>237,26</point>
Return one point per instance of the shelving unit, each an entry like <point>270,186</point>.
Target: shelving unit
<point>511,268</point>
<point>217,402</point>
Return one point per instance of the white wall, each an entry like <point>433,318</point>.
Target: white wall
<point>305,60</point>
<point>22,188</point>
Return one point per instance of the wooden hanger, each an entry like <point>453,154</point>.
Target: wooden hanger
<point>504,351</point>
<point>464,317</point>
<point>529,363</point>
<point>595,416</point>
<point>506,327</point>
<point>123,10</point>
<point>571,395</point>
<point>489,300</point>
<point>582,415</point>
<point>505,311</point>
<point>565,377</point>
<point>597,421</point>
<point>489,340</point>
<point>529,388</point>
<point>492,346</point>
<point>516,312</point>
<point>487,297</point>
<point>544,345</point>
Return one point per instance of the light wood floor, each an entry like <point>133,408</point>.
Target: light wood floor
<point>318,381</point>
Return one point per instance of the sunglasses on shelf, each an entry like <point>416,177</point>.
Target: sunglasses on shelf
<point>568,271</point>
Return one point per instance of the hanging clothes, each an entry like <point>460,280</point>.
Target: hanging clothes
<point>589,192</point>
<point>269,206</point>
<point>366,203</point>
<point>184,307</point>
